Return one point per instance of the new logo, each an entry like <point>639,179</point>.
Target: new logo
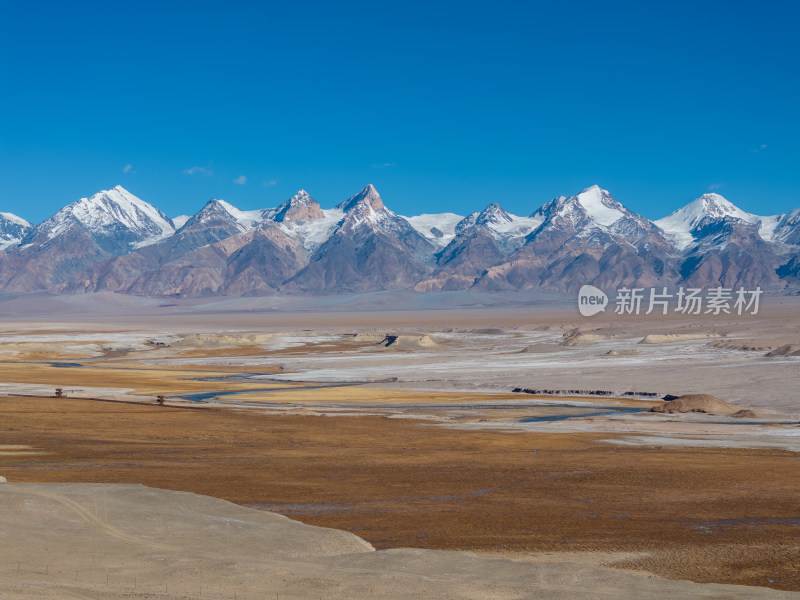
<point>591,300</point>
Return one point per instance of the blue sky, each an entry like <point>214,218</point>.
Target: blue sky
<point>444,106</point>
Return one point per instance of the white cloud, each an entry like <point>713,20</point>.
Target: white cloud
<point>761,148</point>
<point>385,165</point>
<point>269,183</point>
<point>240,180</point>
<point>715,186</point>
<point>198,171</point>
<point>128,168</point>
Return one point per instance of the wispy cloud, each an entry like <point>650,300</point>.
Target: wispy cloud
<point>761,148</point>
<point>385,165</point>
<point>269,183</point>
<point>198,171</point>
<point>240,180</point>
<point>715,186</point>
<point>128,168</point>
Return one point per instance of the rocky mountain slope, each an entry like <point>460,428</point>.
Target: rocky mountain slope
<point>12,230</point>
<point>114,241</point>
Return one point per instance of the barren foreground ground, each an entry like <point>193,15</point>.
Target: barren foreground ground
<point>111,542</point>
<point>422,444</point>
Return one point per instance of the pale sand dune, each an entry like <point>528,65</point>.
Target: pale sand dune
<point>227,338</point>
<point>413,342</point>
<point>667,338</point>
<point>129,541</point>
<point>369,338</point>
<point>702,403</point>
<point>577,338</point>
<point>395,341</point>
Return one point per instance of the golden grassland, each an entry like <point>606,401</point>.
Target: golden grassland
<point>710,515</point>
<point>171,379</point>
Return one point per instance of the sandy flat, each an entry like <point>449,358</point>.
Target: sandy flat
<point>122,541</point>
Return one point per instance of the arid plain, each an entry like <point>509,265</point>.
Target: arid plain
<point>403,428</point>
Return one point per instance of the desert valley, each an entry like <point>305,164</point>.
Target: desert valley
<point>466,453</point>
<point>399,301</point>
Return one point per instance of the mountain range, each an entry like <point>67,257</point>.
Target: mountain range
<point>114,241</point>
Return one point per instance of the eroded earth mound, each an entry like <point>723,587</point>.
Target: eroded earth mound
<point>702,403</point>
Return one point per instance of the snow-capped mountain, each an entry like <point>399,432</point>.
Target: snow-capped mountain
<point>370,249</point>
<point>365,200</point>
<point>218,214</point>
<point>691,222</point>
<point>115,241</point>
<point>586,238</point>
<point>300,208</point>
<point>12,229</point>
<point>117,220</point>
<point>247,219</point>
<point>302,218</point>
<point>479,240</point>
<point>721,244</point>
<point>312,234</point>
<point>87,232</point>
<point>507,229</point>
<point>187,263</point>
<point>731,252</point>
<point>594,216</point>
<point>365,213</point>
<point>253,262</point>
<point>787,230</point>
<point>593,206</point>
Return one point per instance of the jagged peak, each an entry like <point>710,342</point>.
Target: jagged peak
<point>106,207</point>
<point>707,206</point>
<point>493,213</point>
<point>715,205</point>
<point>118,196</point>
<point>116,193</point>
<point>595,194</point>
<point>225,204</point>
<point>369,195</point>
<point>215,205</point>
<point>209,210</point>
<point>299,208</point>
<point>684,224</point>
<point>593,203</point>
<point>246,219</point>
<point>301,195</point>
